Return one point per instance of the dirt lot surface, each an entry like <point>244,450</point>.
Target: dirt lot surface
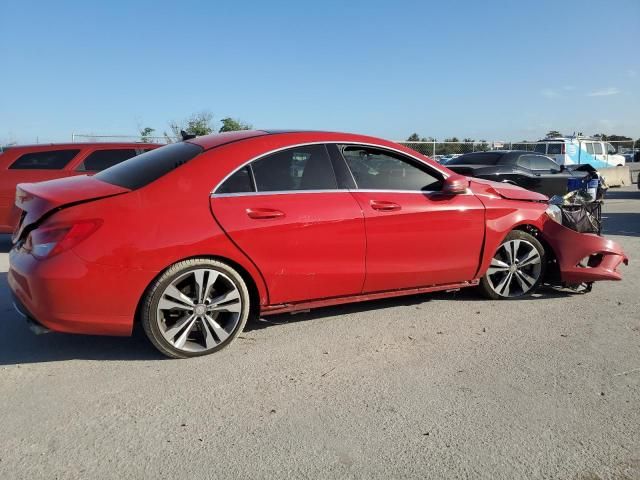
<point>432,386</point>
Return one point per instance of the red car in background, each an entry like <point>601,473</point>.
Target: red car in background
<point>36,163</point>
<point>193,238</point>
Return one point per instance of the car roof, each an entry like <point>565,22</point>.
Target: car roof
<point>291,138</point>
<point>217,139</point>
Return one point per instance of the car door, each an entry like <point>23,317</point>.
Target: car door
<point>287,214</point>
<point>416,236</point>
<point>548,179</point>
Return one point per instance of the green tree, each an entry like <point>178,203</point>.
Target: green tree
<point>618,138</point>
<point>197,124</point>
<point>553,133</point>
<point>232,125</point>
<point>145,134</point>
<point>414,137</point>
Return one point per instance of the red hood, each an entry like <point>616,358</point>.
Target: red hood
<point>37,199</point>
<point>506,190</point>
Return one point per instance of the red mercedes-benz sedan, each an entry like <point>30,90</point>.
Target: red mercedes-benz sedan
<point>193,238</point>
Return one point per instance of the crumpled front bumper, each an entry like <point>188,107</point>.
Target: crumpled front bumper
<point>583,257</point>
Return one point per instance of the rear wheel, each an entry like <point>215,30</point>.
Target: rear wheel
<point>195,308</point>
<point>516,269</point>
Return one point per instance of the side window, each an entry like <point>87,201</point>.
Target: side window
<point>301,168</point>
<point>541,148</point>
<point>611,150</point>
<point>538,162</point>
<point>554,149</point>
<point>51,160</point>
<point>377,169</point>
<point>524,161</point>
<point>239,182</point>
<point>101,159</point>
<point>589,147</point>
<point>597,148</point>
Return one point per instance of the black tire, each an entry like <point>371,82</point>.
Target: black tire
<point>486,284</point>
<point>151,319</point>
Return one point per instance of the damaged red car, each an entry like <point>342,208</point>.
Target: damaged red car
<point>193,238</point>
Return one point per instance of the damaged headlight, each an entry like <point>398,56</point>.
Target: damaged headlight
<point>554,213</point>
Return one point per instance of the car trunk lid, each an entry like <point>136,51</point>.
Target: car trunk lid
<point>38,200</point>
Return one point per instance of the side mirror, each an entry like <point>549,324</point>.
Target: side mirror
<point>455,185</point>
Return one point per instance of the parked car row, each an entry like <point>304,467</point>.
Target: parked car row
<point>192,238</point>
<point>36,163</point>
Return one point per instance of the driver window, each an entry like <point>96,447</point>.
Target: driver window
<point>377,169</point>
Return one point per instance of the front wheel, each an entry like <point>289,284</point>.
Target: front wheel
<point>516,269</point>
<point>194,308</point>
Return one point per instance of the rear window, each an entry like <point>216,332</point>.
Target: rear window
<point>49,160</point>
<point>489,158</point>
<point>148,167</point>
<point>103,159</point>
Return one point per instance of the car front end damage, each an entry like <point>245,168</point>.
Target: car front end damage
<point>582,258</point>
<point>575,259</point>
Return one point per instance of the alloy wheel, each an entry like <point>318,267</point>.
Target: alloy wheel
<point>199,310</point>
<point>515,269</point>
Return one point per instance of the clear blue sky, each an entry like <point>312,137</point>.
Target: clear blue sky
<point>483,69</point>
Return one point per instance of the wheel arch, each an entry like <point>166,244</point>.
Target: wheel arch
<point>552,272</point>
<point>255,294</point>
<point>495,236</point>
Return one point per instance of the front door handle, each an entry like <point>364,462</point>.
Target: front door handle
<point>263,213</point>
<point>384,206</point>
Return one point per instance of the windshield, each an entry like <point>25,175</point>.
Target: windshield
<point>483,158</point>
<point>148,167</point>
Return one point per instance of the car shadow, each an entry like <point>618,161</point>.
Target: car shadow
<point>613,194</point>
<point>18,345</point>
<point>627,224</point>
<point>465,294</point>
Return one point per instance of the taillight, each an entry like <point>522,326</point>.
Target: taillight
<point>562,148</point>
<point>47,241</point>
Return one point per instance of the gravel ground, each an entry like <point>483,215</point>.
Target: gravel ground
<point>431,386</point>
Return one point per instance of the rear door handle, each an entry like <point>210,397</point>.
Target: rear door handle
<point>263,213</point>
<point>384,206</point>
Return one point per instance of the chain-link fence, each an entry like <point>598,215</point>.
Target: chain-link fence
<point>445,150</point>
<point>89,137</point>
<point>442,150</point>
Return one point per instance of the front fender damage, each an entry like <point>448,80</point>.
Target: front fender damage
<point>583,257</point>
